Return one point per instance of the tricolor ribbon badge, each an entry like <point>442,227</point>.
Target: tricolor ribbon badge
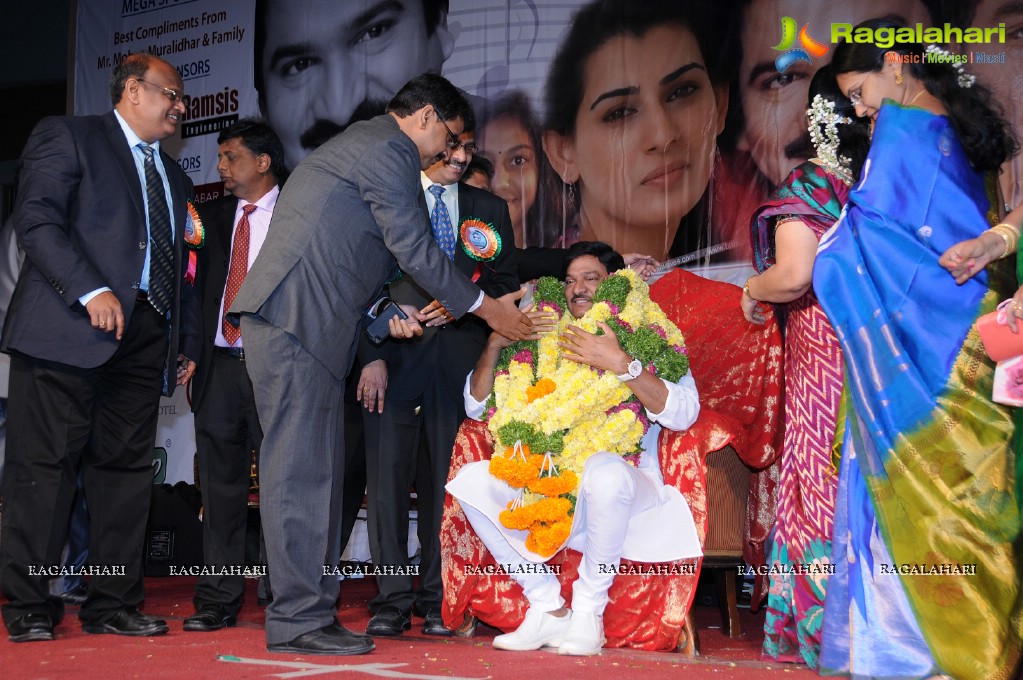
<point>808,47</point>
<point>480,240</point>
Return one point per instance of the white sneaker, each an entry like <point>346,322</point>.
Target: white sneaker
<point>585,635</point>
<point>538,629</point>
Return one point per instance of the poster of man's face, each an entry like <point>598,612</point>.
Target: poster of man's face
<point>323,64</point>
<point>773,103</point>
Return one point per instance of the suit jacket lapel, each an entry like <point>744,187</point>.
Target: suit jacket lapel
<point>123,155</point>
<point>225,226</point>
<point>466,203</point>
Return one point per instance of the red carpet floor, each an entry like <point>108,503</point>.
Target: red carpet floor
<point>240,652</point>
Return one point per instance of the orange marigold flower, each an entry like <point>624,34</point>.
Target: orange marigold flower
<point>542,388</point>
<point>547,540</point>
<point>553,486</point>
<point>515,471</point>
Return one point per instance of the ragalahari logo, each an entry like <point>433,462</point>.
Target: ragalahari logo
<point>808,47</point>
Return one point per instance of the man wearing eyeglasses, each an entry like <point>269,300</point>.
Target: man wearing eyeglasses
<point>351,212</point>
<point>94,331</point>
<point>421,381</point>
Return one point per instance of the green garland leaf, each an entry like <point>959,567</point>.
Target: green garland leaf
<point>613,289</point>
<point>538,442</point>
<point>549,289</point>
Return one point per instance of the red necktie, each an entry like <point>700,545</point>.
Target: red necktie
<point>236,273</point>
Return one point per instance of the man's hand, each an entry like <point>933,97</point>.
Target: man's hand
<point>644,265</point>
<point>406,328</point>
<point>504,317</point>
<point>435,314</point>
<point>372,385</point>
<point>541,321</point>
<point>598,351</point>
<point>186,369</point>
<point>105,313</point>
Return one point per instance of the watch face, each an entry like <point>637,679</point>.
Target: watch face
<point>635,368</point>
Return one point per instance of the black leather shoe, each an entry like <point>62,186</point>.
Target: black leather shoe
<point>30,628</point>
<point>209,617</point>
<point>389,621</point>
<point>128,621</point>
<point>76,596</point>
<point>434,624</point>
<point>332,640</point>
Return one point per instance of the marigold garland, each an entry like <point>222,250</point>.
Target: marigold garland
<point>542,402</point>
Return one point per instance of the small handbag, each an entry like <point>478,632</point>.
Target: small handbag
<point>999,341</point>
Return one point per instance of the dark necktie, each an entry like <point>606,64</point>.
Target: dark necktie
<point>161,249</point>
<point>443,232</point>
<point>236,273</point>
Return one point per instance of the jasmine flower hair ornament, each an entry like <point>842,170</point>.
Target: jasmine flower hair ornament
<point>823,127</point>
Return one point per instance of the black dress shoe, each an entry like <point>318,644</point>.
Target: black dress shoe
<point>434,624</point>
<point>76,596</point>
<point>128,621</point>
<point>389,621</point>
<point>332,640</point>
<point>209,617</point>
<point>30,628</point>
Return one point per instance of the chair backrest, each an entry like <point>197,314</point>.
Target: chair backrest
<point>727,493</point>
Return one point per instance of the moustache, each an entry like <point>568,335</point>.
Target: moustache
<point>800,148</point>
<point>322,130</point>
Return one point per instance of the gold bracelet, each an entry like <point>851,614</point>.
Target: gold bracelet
<point>1006,225</point>
<point>745,289</point>
<point>1005,237</point>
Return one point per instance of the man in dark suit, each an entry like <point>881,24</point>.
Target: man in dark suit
<point>93,332</point>
<point>351,212</point>
<point>425,378</point>
<point>251,165</point>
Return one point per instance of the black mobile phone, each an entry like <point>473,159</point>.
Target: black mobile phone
<point>379,314</point>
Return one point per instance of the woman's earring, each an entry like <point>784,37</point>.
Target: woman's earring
<point>898,78</point>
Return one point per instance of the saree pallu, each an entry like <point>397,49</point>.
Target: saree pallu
<point>813,385</point>
<point>926,571</point>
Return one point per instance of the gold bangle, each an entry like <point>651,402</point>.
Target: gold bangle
<point>1006,225</point>
<point>1005,237</point>
<point>745,289</point>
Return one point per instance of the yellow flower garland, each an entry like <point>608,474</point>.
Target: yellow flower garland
<point>567,397</point>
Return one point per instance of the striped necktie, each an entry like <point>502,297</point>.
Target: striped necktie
<point>161,249</point>
<point>237,271</point>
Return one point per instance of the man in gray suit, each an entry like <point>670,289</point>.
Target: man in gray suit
<point>353,209</point>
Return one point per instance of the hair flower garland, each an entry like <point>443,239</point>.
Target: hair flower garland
<point>942,56</point>
<point>542,402</point>
<point>823,127</point>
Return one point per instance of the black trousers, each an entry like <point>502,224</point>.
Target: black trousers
<point>394,461</point>
<point>102,420</point>
<point>226,431</point>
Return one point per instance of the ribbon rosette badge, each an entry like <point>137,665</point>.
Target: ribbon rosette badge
<point>480,240</point>
<point>808,47</point>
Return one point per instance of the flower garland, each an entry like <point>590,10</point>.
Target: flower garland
<point>542,401</point>
<point>942,56</point>
<point>823,128</point>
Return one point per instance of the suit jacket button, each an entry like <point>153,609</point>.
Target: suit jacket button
<point>142,245</point>
<point>135,286</point>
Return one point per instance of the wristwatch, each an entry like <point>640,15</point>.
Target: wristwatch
<point>635,368</point>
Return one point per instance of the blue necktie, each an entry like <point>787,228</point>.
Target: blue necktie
<point>441,221</point>
<point>161,247</point>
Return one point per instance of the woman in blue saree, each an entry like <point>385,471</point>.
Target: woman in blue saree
<point>925,544</point>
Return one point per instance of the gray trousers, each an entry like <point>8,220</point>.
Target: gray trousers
<point>301,475</point>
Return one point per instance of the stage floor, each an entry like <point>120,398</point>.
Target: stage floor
<point>240,652</point>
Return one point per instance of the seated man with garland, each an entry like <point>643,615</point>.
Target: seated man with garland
<point>575,413</point>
